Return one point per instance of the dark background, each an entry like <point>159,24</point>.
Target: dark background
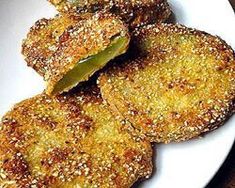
<point>225,178</point>
<point>233,3</point>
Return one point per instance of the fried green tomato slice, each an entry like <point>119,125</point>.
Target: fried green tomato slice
<point>133,12</point>
<point>69,141</point>
<point>182,87</point>
<point>67,50</point>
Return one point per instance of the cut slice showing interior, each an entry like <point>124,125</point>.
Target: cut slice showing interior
<point>85,68</point>
<point>42,40</point>
<point>183,85</point>
<point>66,54</point>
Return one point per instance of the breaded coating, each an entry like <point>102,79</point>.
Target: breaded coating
<point>43,40</point>
<point>182,87</point>
<point>133,12</point>
<point>54,47</point>
<point>68,141</point>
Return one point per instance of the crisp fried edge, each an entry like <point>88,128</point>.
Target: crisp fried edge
<point>58,64</point>
<point>120,106</point>
<point>135,14</point>
<point>89,97</point>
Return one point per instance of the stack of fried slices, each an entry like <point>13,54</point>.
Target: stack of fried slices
<point>94,124</point>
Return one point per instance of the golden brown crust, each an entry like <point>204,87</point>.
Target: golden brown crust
<point>53,47</point>
<point>133,12</point>
<point>69,141</point>
<point>182,86</point>
<point>42,40</point>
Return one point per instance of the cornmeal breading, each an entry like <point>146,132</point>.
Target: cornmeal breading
<point>67,141</point>
<point>133,12</point>
<point>43,40</point>
<point>182,85</point>
<point>54,47</point>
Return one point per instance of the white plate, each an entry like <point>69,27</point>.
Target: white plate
<point>186,165</point>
